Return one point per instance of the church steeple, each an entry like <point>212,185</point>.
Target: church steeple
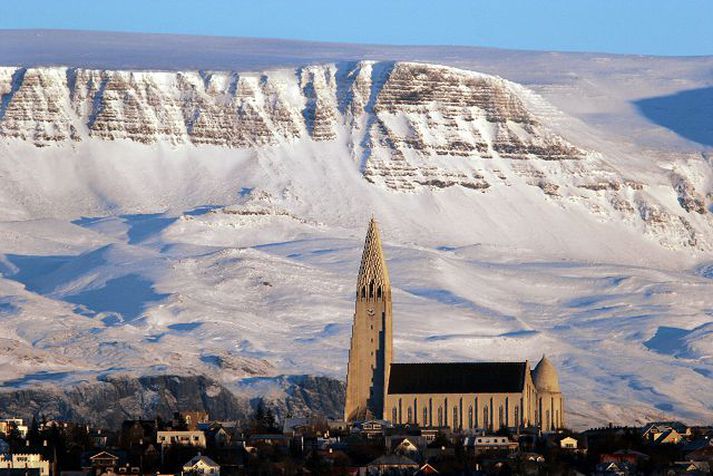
<point>373,274</point>
<point>370,354</point>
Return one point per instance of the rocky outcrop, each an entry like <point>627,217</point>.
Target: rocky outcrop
<point>109,401</point>
<point>407,127</point>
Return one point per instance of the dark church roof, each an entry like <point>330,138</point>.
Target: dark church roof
<point>457,377</point>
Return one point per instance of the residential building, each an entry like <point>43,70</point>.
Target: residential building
<point>25,461</point>
<point>201,466</point>
<point>182,438</point>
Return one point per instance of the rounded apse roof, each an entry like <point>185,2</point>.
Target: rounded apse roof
<point>545,376</point>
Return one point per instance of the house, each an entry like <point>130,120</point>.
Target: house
<point>407,448</point>
<point>702,468</point>
<point>624,456</point>
<point>613,469</point>
<point>671,432</point>
<point>668,437</point>
<point>374,428</point>
<point>391,464</point>
<point>291,425</point>
<point>181,438</point>
<point>7,424</point>
<point>278,442</point>
<point>569,443</point>
<point>425,470</point>
<point>193,419</point>
<point>137,432</point>
<point>201,466</point>
<point>488,444</point>
<point>660,426</point>
<point>98,439</point>
<point>104,462</point>
<point>25,461</point>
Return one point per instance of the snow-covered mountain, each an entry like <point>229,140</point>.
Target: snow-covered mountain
<point>208,222</point>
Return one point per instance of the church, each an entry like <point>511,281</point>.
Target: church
<point>459,395</point>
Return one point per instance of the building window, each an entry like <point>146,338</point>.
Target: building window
<point>410,415</point>
<point>425,416</point>
<point>455,418</point>
<point>440,416</point>
<point>485,418</point>
<point>393,415</point>
<point>470,417</point>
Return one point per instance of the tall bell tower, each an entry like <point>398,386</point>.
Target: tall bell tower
<point>370,354</point>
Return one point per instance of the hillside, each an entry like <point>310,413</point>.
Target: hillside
<point>209,222</point>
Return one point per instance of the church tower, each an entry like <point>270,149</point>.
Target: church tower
<point>370,353</point>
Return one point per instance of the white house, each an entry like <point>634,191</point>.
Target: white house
<point>25,461</point>
<point>568,443</point>
<point>201,466</point>
<point>181,438</point>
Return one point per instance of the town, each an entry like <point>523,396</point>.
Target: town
<point>190,443</point>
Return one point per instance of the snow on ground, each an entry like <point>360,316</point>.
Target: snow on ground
<point>121,257</point>
<point>258,280</point>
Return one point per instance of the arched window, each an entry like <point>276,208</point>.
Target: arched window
<point>363,292</point>
<point>394,414</point>
<point>371,289</point>
<point>378,292</point>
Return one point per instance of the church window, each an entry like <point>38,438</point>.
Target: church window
<point>363,292</point>
<point>500,417</point>
<point>393,415</point>
<point>440,416</point>
<point>547,420</point>
<point>485,418</point>
<point>409,415</point>
<point>470,417</point>
<point>425,416</point>
<point>371,289</point>
<point>378,292</point>
<point>475,419</point>
<point>455,418</point>
<point>445,412</point>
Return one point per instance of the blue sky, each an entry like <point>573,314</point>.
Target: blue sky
<point>675,27</point>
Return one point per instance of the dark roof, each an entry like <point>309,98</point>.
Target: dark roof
<point>20,471</point>
<point>456,377</point>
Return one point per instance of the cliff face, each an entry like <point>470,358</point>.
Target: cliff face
<point>395,113</point>
<point>111,400</point>
<point>407,127</point>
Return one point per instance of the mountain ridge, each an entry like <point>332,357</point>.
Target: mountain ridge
<point>514,225</point>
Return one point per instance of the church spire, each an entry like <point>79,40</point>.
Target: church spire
<point>373,272</point>
<point>370,354</point>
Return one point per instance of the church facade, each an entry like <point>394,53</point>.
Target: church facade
<point>458,395</point>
